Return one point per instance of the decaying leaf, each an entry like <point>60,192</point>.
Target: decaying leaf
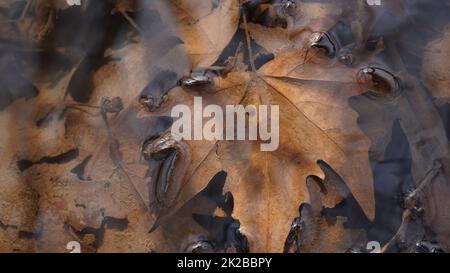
<point>206,27</point>
<point>86,100</point>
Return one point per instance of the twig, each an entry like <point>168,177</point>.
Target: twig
<point>130,20</point>
<point>26,8</point>
<point>424,183</point>
<point>406,219</point>
<point>117,160</point>
<point>411,201</point>
<point>113,146</point>
<point>249,47</point>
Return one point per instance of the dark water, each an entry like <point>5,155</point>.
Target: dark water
<point>81,40</point>
<point>392,177</point>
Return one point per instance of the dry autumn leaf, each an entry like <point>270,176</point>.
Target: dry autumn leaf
<point>87,95</point>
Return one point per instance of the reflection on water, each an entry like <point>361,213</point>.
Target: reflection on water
<point>74,170</point>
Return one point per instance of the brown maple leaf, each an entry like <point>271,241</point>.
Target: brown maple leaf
<point>89,155</point>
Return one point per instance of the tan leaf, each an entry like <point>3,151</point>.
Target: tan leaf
<point>206,27</point>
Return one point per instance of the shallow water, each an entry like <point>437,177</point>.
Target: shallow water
<point>75,167</point>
